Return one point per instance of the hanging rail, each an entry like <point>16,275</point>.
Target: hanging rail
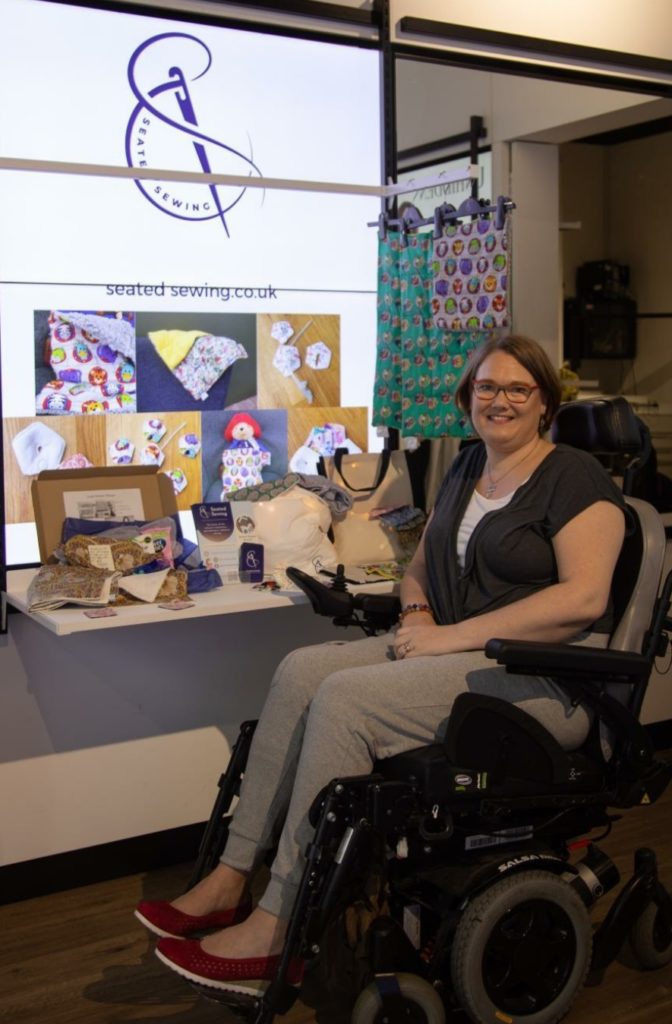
<point>443,215</point>
<point>200,177</point>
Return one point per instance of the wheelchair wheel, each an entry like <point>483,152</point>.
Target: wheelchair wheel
<point>522,950</point>
<point>650,939</point>
<point>421,1004</point>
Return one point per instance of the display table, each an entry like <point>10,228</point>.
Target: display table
<point>229,599</point>
<point>240,597</point>
<point>118,728</point>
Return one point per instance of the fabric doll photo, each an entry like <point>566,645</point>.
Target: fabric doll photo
<point>244,456</point>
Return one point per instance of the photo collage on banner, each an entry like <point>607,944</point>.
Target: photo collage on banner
<point>215,401</point>
<point>222,334</point>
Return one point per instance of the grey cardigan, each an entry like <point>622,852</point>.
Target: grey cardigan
<point>510,553</point>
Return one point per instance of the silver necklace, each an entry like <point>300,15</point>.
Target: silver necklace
<point>494,484</point>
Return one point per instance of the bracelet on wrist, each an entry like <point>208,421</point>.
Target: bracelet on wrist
<point>408,609</point>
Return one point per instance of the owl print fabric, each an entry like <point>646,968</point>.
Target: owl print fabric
<point>93,361</point>
<point>420,358</point>
<point>471,277</point>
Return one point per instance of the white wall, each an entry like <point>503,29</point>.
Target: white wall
<point>535,258</point>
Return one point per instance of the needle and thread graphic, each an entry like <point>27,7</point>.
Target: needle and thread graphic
<point>179,86</point>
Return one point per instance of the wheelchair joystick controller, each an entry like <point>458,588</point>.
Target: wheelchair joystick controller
<point>339,582</point>
<point>371,612</point>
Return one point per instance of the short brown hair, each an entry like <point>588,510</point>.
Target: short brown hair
<point>529,354</point>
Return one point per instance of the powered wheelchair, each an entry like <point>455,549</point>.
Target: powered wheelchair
<point>474,857</point>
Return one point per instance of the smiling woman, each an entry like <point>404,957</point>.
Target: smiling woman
<point>511,393</point>
<point>534,564</point>
<point>509,410</point>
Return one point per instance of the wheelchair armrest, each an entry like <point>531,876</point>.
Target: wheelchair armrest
<point>380,611</point>
<point>534,658</point>
<point>325,600</point>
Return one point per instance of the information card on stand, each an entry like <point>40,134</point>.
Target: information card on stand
<point>221,528</point>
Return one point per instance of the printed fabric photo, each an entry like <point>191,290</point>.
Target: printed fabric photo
<point>92,359</point>
<point>197,360</point>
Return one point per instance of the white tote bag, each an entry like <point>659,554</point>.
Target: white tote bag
<point>373,481</point>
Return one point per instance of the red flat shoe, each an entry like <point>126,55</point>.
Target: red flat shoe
<point>166,921</point>
<point>250,976</point>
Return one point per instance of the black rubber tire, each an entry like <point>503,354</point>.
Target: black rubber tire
<point>522,950</point>
<point>417,992</point>
<point>649,941</point>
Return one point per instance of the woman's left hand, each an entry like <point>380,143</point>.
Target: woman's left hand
<point>416,641</point>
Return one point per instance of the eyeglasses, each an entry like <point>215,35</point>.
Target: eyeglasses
<point>486,390</point>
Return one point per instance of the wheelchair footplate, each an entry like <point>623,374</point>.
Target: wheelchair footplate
<point>250,1007</point>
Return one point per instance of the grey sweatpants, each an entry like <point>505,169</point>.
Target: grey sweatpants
<point>331,711</point>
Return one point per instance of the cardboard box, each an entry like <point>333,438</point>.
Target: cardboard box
<point>112,492</point>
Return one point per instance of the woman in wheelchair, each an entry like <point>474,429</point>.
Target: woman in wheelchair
<point>522,543</point>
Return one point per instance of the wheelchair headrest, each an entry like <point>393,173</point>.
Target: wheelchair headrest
<point>599,425</point>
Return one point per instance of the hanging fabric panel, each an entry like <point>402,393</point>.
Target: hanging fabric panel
<point>471,277</point>
<point>426,331</point>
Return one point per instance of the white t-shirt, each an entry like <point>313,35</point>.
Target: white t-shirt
<point>478,507</point>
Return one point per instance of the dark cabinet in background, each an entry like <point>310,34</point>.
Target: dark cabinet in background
<point>599,329</point>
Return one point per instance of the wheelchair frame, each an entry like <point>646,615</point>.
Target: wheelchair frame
<point>473,838</point>
<point>450,823</point>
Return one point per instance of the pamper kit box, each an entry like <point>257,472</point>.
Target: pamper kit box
<point>113,492</point>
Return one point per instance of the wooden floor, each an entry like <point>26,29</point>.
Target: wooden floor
<point>80,957</point>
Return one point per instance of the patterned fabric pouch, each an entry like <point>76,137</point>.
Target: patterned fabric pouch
<point>93,360</point>
<point>123,556</point>
<point>124,547</point>
<point>208,358</point>
<point>429,298</point>
<point>56,585</point>
<point>197,362</point>
<point>470,269</point>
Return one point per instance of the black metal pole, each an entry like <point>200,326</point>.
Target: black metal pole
<point>475,131</point>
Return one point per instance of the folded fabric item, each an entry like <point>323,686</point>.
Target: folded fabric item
<point>56,585</point>
<point>118,334</point>
<point>206,358</point>
<point>173,346</point>
<point>404,517</point>
<point>105,553</point>
<point>38,447</point>
<point>264,491</point>
<point>156,539</point>
<point>200,581</point>
<point>183,550</point>
<point>336,497</point>
<point>173,588</point>
<point>144,587</point>
<point>92,375</point>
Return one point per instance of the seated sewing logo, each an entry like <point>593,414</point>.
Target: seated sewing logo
<point>164,132</point>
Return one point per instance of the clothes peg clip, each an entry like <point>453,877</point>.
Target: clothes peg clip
<point>469,208</point>
<point>444,214</point>
<point>500,211</point>
<point>382,227</point>
<point>411,218</point>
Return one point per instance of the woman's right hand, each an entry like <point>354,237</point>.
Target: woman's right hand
<point>419,618</point>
